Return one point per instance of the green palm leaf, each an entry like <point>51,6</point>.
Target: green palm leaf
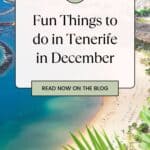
<point>108,141</point>
<point>122,146</point>
<point>85,141</point>
<point>78,143</point>
<point>101,141</point>
<point>93,140</point>
<point>96,141</point>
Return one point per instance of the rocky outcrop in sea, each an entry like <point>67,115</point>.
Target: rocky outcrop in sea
<point>7,59</point>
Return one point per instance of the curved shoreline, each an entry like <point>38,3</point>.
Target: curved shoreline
<point>117,113</point>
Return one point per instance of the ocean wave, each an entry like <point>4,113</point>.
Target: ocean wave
<point>7,11</point>
<point>9,1</point>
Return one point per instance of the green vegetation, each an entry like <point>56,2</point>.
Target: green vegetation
<point>138,136</point>
<point>142,46</point>
<point>143,127</point>
<point>97,142</point>
<point>143,12</point>
<point>148,100</point>
<point>145,48</point>
<point>147,71</point>
<point>141,132</point>
<point>142,20</point>
<point>146,61</point>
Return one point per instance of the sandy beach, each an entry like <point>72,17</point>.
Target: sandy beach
<point>117,113</point>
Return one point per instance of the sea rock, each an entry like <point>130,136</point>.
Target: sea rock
<point>8,57</point>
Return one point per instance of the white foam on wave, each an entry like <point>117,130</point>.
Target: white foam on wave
<point>9,1</point>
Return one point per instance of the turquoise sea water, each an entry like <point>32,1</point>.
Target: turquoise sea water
<point>35,123</point>
<point>1,56</point>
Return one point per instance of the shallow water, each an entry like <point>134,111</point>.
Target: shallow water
<point>36,123</point>
<point>1,56</point>
<point>44,124</point>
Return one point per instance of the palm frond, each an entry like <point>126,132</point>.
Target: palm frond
<point>95,141</point>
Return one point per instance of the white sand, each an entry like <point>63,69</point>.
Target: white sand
<point>117,113</point>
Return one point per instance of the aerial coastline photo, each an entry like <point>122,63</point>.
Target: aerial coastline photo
<point>74,123</point>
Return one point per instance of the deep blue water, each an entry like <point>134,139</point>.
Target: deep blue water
<point>35,123</point>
